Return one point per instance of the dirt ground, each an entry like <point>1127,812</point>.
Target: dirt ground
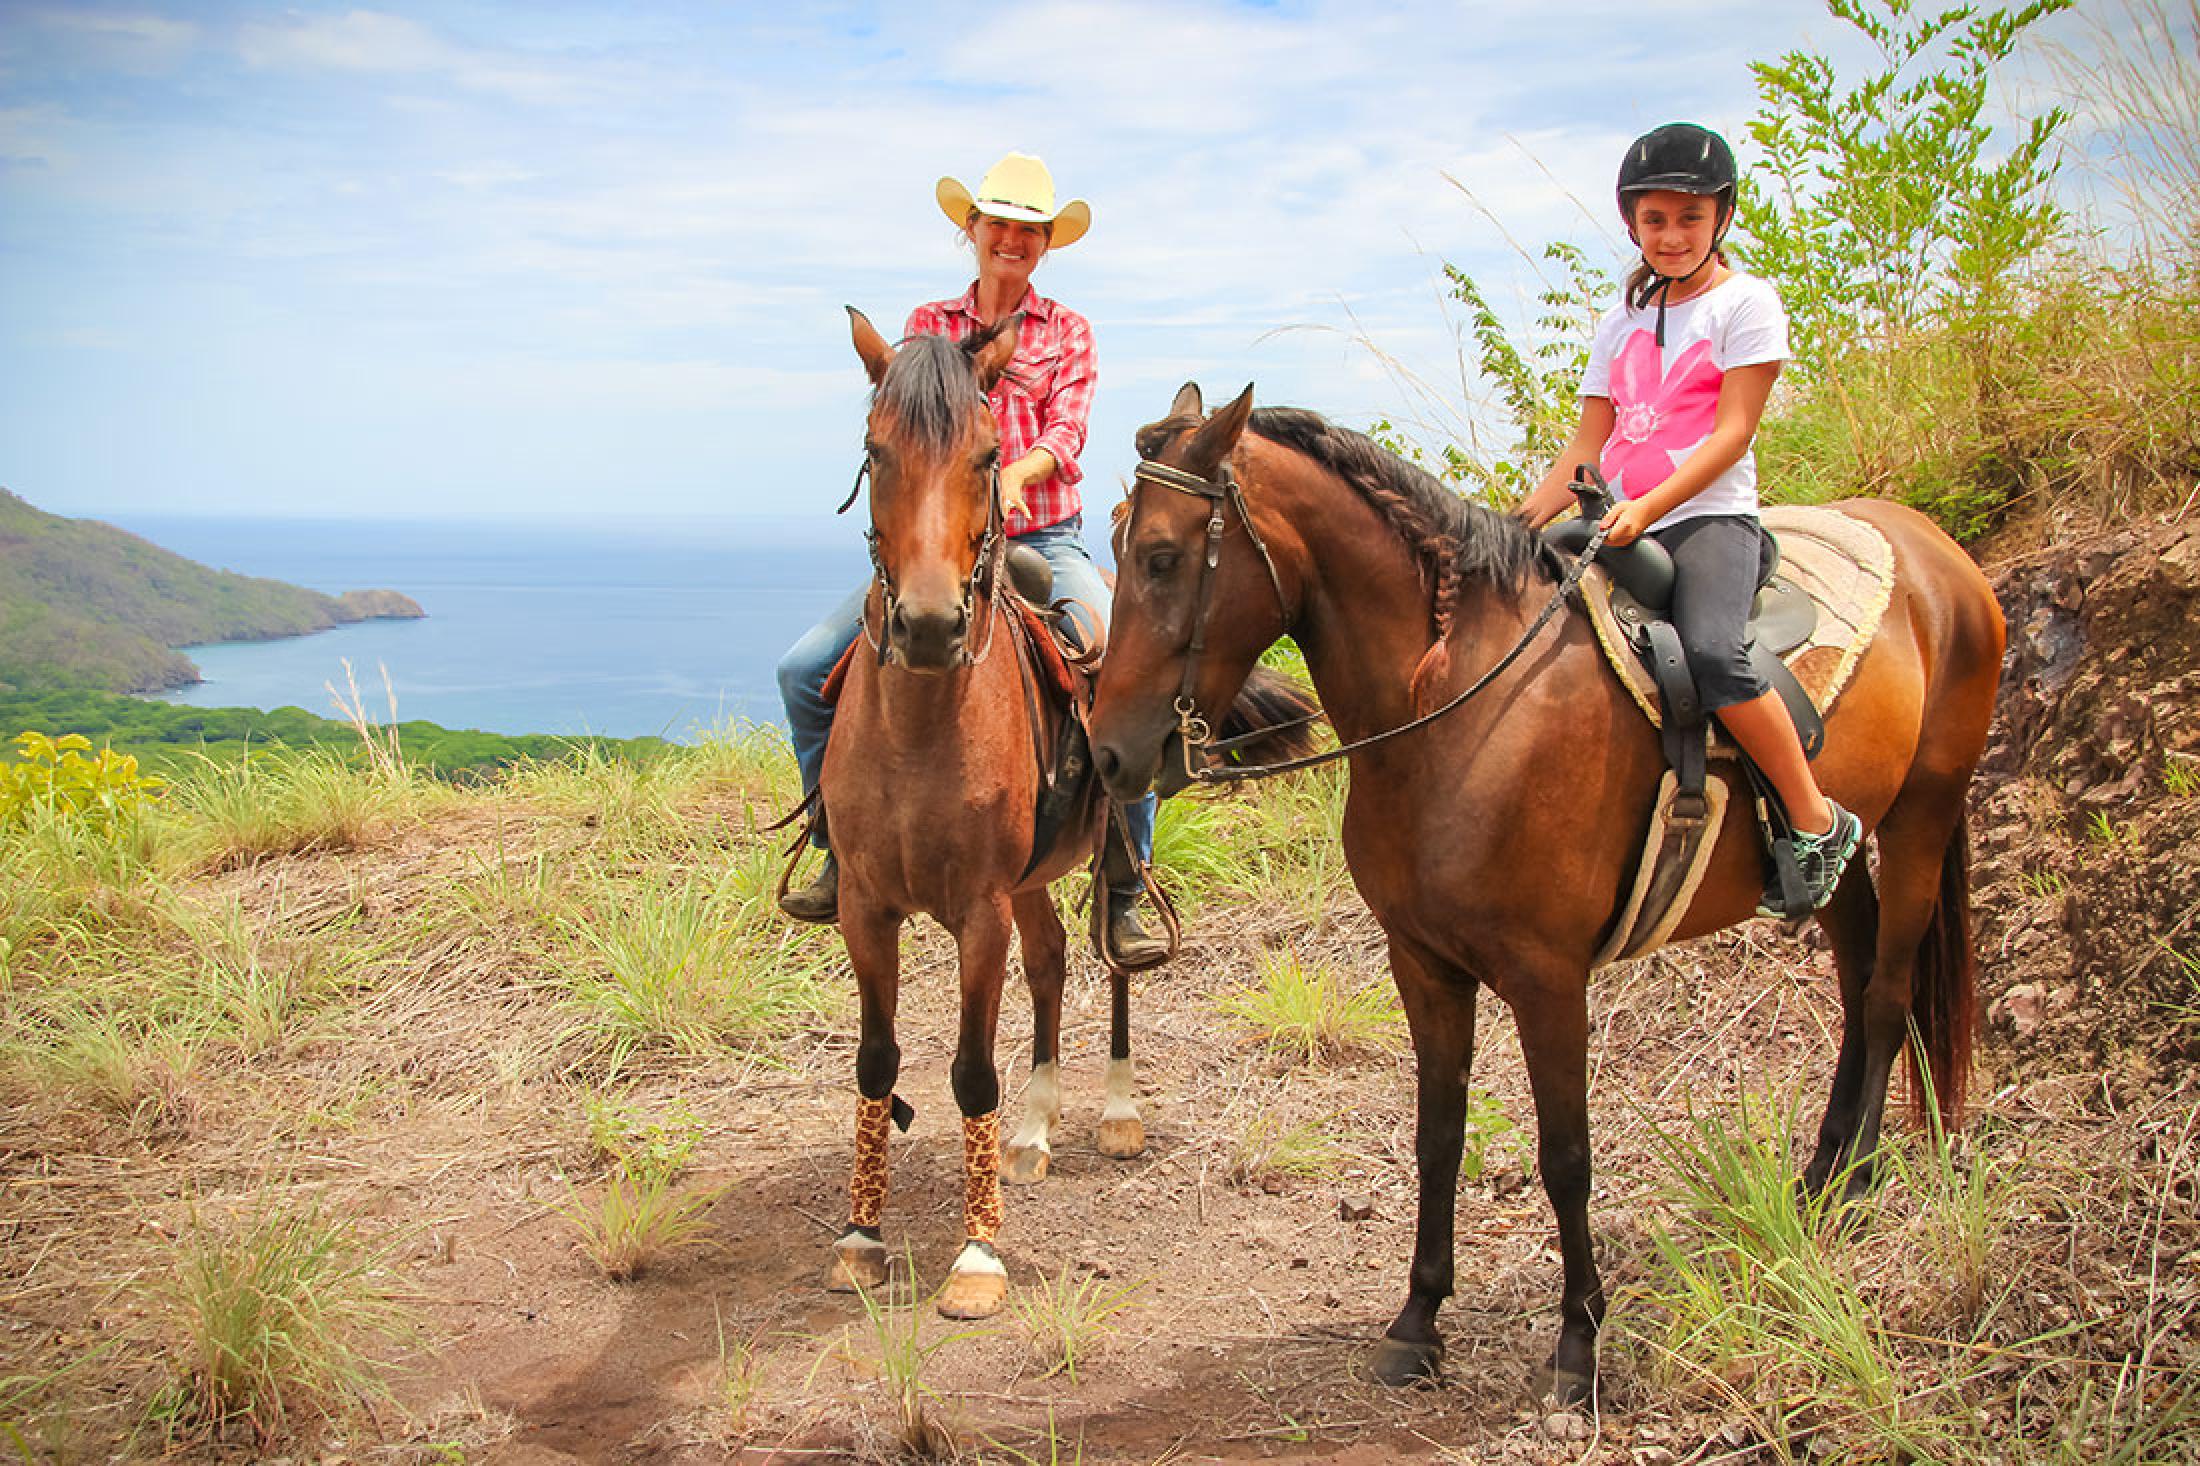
<point>443,1120</point>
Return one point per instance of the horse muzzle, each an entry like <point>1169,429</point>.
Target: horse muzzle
<point>933,638</point>
<point>1129,774</point>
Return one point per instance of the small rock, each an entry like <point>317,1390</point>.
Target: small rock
<point>1355,1208</point>
<point>1654,1456</point>
<point>2026,1005</point>
<point>1565,1425</point>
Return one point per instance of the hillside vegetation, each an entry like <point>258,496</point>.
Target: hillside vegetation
<point>86,605</point>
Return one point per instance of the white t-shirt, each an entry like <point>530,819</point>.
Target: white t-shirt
<point>1664,403</point>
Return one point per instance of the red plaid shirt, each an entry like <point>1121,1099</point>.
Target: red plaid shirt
<point>1042,401</point>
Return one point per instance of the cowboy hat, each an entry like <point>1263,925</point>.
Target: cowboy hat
<point>1017,187</point>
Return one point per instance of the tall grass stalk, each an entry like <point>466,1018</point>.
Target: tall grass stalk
<point>267,804</point>
<point>272,1319</point>
<point>895,1326</point>
<point>1311,1012</point>
<point>1748,1303</point>
<point>639,1221</point>
<point>1066,1317</point>
<point>1269,1148</point>
<point>687,968</point>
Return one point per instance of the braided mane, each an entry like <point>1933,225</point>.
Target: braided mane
<point>1453,542</point>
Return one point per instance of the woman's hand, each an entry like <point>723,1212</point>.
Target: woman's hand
<point>1626,523</point>
<point>1014,478</point>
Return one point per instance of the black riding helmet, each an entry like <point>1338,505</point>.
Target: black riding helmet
<point>1679,157</point>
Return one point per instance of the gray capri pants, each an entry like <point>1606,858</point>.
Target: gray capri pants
<point>1718,560</point>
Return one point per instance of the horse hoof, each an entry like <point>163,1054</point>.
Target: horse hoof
<point>859,1265</point>
<point>1563,1388</point>
<point>1025,1165</point>
<point>1397,1363</point>
<point>1121,1139</point>
<point>973,1294</point>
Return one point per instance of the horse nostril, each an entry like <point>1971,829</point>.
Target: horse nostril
<point>1105,763</point>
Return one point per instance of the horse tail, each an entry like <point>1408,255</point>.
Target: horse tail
<point>1944,987</point>
<point>1276,717</point>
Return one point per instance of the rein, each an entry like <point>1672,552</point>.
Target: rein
<point>1195,736</point>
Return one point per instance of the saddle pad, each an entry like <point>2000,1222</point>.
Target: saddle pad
<point>1840,562</point>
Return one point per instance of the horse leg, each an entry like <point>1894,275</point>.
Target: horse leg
<point>978,1283</point>
<point>1045,960</point>
<point>1554,1039</point>
<point>874,949</point>
<point>1851,924</point>
<point>1122,1133</point>
<point>1915,840</point>
<point>1439,1009</point>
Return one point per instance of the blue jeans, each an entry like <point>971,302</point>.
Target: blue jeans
<point>803,670</point>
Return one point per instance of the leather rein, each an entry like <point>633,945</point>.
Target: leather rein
<point>1194,734</point>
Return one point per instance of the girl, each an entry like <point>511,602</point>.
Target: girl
<point>1041,405</point>
<point>1669,406</point>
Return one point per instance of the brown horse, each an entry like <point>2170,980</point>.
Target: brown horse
<point>1494,844</point>
<point>931,782</point>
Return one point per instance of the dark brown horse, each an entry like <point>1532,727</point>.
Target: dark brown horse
<point>931,781</point>
<point>1494,844</point>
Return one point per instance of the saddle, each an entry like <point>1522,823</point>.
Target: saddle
<point>1812,619</point>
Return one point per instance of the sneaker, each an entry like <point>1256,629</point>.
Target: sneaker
<point>1134,947</point>
<point>819,901</point>
<point>1820,859</point>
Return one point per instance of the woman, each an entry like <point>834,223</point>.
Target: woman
<point>1041,405</point>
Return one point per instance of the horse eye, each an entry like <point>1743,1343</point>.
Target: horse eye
<point>1162,563</point>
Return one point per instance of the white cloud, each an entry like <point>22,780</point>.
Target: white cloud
<point>376,43</point>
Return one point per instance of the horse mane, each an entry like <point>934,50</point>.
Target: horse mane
<point>1453,541</point>
<point>930,390</point>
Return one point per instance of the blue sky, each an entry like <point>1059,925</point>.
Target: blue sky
<point>494,260</point>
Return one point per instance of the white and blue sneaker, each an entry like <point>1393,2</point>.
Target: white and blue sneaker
<point>1820,859</point>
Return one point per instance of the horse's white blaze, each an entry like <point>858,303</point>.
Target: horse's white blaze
<point>1122,1092</point>
<point>976,1257</point>
<point>1042,1109</point>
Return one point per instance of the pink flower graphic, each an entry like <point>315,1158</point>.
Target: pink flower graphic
<point>1661,418</point>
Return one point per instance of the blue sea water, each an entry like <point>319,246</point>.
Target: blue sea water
<point>606,628</point>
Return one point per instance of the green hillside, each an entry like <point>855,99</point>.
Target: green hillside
<point>86,605</point>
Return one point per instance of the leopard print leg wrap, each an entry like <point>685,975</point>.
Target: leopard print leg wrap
<point>867,1190</point>
<point>982,1176</point>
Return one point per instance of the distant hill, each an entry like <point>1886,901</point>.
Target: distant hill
<point>86,605</point>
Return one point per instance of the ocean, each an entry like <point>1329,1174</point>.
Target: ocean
<point>607,628</point>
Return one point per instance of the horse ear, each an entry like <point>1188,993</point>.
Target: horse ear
<point>1188,403</point>
<point>993,349</point>
<point>870,345</point>
<point>1219,435</point>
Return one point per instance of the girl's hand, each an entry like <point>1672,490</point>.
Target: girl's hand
<point>1626,523</point>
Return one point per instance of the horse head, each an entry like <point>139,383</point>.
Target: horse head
<point>1189,568</point>
<point>932,452</point>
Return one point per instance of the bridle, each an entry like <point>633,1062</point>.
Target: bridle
<point>1193,731</point>
<point>1195,736</point>
<point>985,572</point>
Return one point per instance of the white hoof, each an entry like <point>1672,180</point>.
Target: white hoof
<point>976,1286</point>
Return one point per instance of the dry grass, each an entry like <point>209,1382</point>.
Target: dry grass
<point>407,1057</point>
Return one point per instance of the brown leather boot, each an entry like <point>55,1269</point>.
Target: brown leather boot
<point>1135,948</point>
<point>819,901</point>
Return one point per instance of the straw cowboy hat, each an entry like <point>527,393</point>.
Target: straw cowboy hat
<point>1017,187</point>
